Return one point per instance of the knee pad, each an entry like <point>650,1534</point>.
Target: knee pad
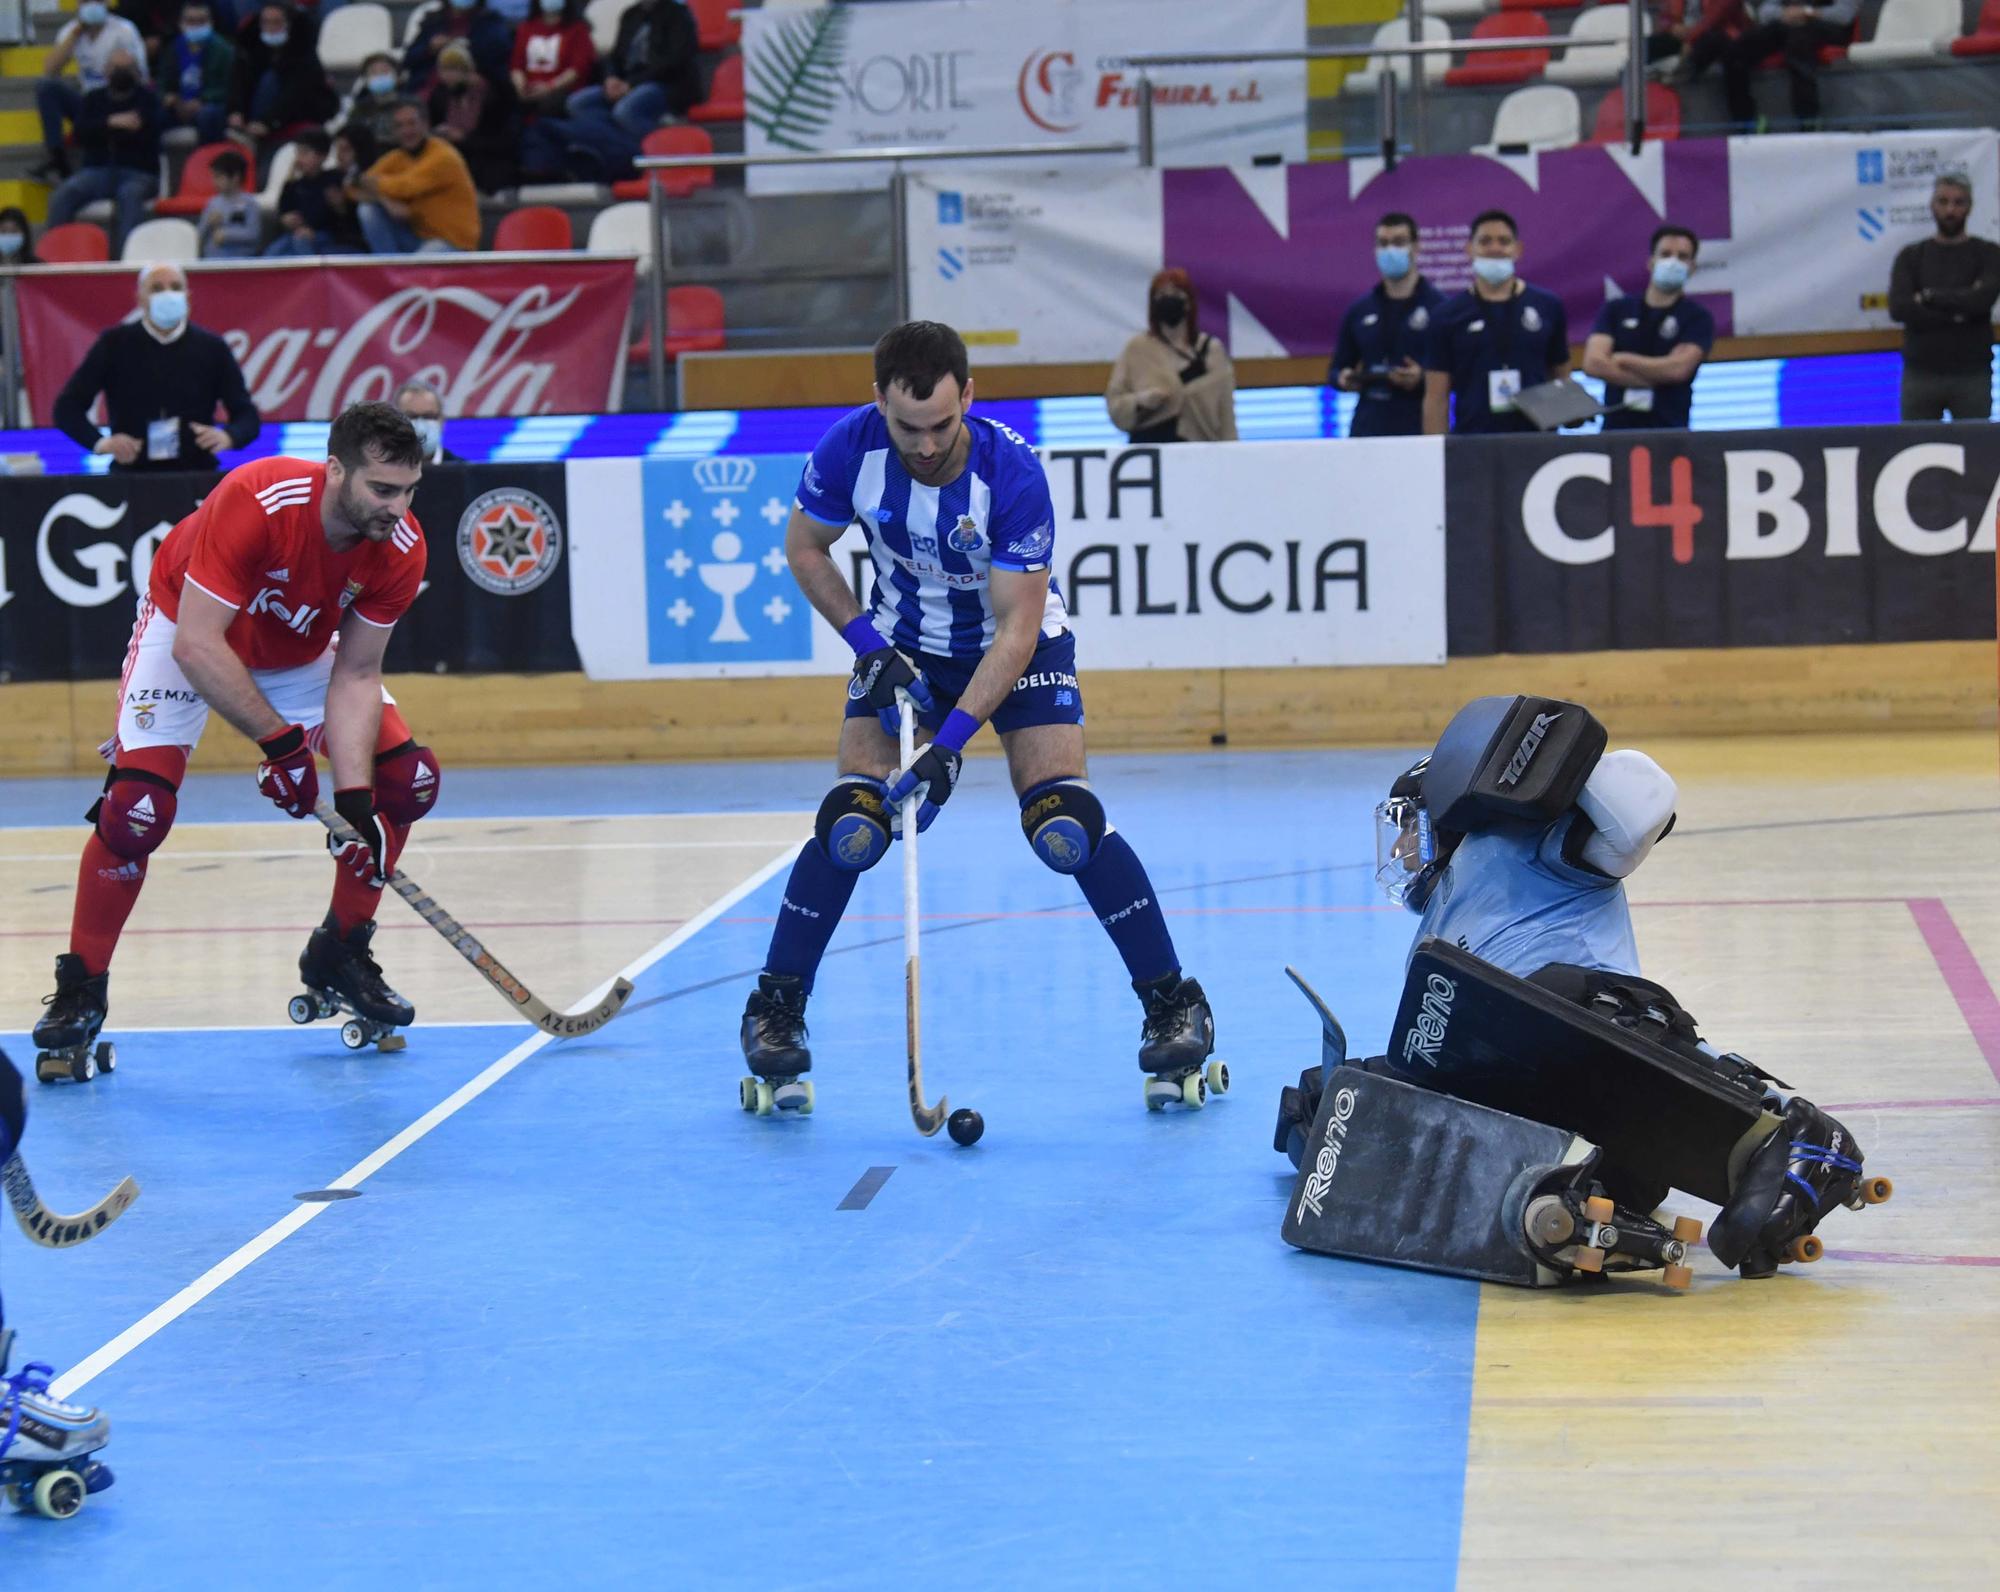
<point>135,812</point>
<point>853,824</point>
<point>1064,822</point>
<point>406,782</point>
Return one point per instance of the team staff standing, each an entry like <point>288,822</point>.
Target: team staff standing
<point>1942,289</point>
<point>1489,343</point>
<point>1646,348</point>
<point>1379,354</point>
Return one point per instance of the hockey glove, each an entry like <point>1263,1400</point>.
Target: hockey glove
<point>360,853</point>
<point>933,771</point>
<point>880,671</point>
<point>288,776</point>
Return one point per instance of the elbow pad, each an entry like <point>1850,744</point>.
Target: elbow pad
<point>1629,800</point>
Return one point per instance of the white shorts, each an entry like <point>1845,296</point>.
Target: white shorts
<point>158,707</point>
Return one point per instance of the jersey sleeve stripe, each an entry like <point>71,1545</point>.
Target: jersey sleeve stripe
<point>837,525</point>
<point>379,624</point>
<point>197,585</point>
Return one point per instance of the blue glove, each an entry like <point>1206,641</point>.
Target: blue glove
<point>933,771</point>
<point>880,671</point>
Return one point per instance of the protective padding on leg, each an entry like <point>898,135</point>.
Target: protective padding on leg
<point>407,781</point>
<point>1064,822</point>
<point>135,812</point>
<point>13,1112</point>
<point>853,823</point>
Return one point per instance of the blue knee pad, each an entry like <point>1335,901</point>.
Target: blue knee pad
<point>1064,822</point>
<point>853,823</point>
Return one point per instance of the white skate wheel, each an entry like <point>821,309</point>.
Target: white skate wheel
<point>793,1096</point>
<point>1160,1093</point>
<point>746,1093</point>
<point>1194,1092</point>
<point>58,1494</point>
<point>107,1056</point>
<point>300,1009</point>
<point>806,1107</point>
<point>764,1097</point>
<point>352,1035</point>
<point>1218,1077</point>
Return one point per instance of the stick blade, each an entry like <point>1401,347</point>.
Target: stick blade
<point>568,1025</point>
<point>53,1229</point>
<point>929,1118</point>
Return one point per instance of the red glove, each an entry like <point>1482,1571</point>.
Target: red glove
<point>288,776</point>
<point>361,855</point>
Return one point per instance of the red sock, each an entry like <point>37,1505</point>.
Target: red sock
<point>353,901</point>
<point>107,889</point>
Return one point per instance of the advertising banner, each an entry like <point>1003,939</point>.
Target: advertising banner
<point>1718,539</point>
<point>958,73</point>
<point>1200,555</point>
<point>496,336</point>
<point>1798,235</point>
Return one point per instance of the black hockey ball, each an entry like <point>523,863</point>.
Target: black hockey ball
<point>965,1126</point>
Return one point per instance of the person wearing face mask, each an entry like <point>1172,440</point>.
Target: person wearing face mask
<point>195,69</point>
<point>1173,382</point>
<point>476,117</point>
<point>1942,289</point>
<point>553,54</point>
<point>1488,343</point>
<point>90,41</point>
<point>372,103</point>
<point>423,406</point>
<point>278,80</point>
<point>17,238</point>
<point>1382,336</point>
<point>1646,348</point>
<point>467,22</point>
<point>118,131</point>
<point>162,379</point>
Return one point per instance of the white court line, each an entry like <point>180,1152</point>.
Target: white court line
<point>80,1374</point>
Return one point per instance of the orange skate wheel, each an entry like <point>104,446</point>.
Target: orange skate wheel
<point>1687,1229</point>
<point>1805,1250</point>
<point>1676,1276</point>
<point>1590,1260</point>
<point>1875,1190</point>
<point>1599,1209</point>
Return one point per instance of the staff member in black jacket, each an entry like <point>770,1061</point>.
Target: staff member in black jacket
<point>1380,351</point>
<point>161,378</point>
<point>1942,290</point>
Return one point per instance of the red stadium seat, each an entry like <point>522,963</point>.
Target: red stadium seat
<point>725,93</point>
<point>74,243</point>
<point>681,181</point>
<point>694,324</point>
<point>1499,67</point>
<point>716,26</point>
<point>1984,39</point>
<point>536,227</point>
<point>198,183</point>
<point>1663,115</point>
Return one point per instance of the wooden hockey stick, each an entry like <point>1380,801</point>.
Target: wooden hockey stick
<point>927,1118</point>
<point>564,1025</point>
<point>52,1229</point>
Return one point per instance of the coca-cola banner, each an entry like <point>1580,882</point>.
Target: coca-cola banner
<point>499,336</point>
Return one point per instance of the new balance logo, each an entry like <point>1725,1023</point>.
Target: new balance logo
<point>278,574</point>
<point>286,494</point>
<point>269,601</point>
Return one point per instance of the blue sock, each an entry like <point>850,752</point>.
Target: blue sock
<point>815,896</point>
<point>1115,884</point>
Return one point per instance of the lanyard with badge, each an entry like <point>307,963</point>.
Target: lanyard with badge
<point>1503,385</point>
<point>163,439</point>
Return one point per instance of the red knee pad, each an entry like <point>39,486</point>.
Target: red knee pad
<point>406,782</point>
<point>135,812</point>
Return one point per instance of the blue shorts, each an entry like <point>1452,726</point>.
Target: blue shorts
<point>1046,694</point>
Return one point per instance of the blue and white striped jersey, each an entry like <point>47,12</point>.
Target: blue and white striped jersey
<point>933,545</point>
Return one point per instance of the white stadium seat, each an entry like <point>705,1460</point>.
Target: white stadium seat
<point>278,174</point>
<point>1593,65</point>
<point>415,20</point>
<point>1909,30</point>
<point>353,33</point>
<point>1540,116</point>
<point>162,238</point>
<point>1457,10</point>
<point>623,229</point>
<point>603,15</point>
<point>1397,31</point>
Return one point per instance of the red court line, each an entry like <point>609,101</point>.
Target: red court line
<point>1882,1259</point>
<point>391,927</point>
<point>1963,976</point>
<point>1988,1102</point>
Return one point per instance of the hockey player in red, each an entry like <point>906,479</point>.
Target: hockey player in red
<point>239,618</point>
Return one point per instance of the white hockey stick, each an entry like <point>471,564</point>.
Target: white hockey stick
<point>927,1118</point>
<point>52,1229</point>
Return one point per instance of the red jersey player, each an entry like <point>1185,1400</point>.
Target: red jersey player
<point>239,617</point>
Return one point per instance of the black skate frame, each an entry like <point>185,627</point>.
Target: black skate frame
<point>52,1229</point>
<point>564,1025</point>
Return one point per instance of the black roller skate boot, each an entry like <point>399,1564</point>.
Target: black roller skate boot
<point>68,1030</point>
<point>1175,1040</point>
<point>774,1047</point>
<point>1808,1166</point>
<point>341,975</point>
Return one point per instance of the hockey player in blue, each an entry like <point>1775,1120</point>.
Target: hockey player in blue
<point>966,618</point>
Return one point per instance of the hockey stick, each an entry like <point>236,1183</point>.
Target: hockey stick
<point>927,1118</point>
<point>52,1229</point>
<point>564,1025</point>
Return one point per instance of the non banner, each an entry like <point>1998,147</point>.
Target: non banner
<point>1716,539</point>
<point>1200,555</point>
<point>75,553</point>
<point>1798,235</point>
<point>497,336</point>
<point>961,73</point>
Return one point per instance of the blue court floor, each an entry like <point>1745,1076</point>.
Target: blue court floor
<point>599,1328</point>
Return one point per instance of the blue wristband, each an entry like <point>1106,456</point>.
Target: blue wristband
<point>958,728</point>
<point>860,634</point>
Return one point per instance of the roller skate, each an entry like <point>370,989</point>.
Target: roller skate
<point>46,1444</point>
<point>774,1046</point>
<point>1571,1225</point>
<point>1808,1166</point>
<point>65,1036</point>
<point>1175,1043</point>
<point>342,975</point>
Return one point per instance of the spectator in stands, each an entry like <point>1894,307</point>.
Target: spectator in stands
<point>196,66</point>
<point>652,71</point>
<point>278,82</point>
<point>1800,30</point>
<point>424,405</point>
<point>162,380</point>
<point>232,222</point>
<point>1382,337</point>
<point>118,132</point>
<point>373,100</point>
<point>17,238</point>
<point>553,55</point>
<point>1173,382</point>
<point>418,198</point>
<point>1942,289</point>
<point>90,41</point>
<point>1646,348</point>
<point>353,153</point>
<point>1682,50</point>
<point>476,117</point>
<point>159,22</point>
<point>306,204</point>
<point>466,22</point>
<point>1489,343</point>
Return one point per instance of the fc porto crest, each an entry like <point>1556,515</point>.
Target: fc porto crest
<point>965,538</point>
<point>1531,319</point>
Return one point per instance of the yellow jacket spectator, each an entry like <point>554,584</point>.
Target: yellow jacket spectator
<point>418,198</point>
